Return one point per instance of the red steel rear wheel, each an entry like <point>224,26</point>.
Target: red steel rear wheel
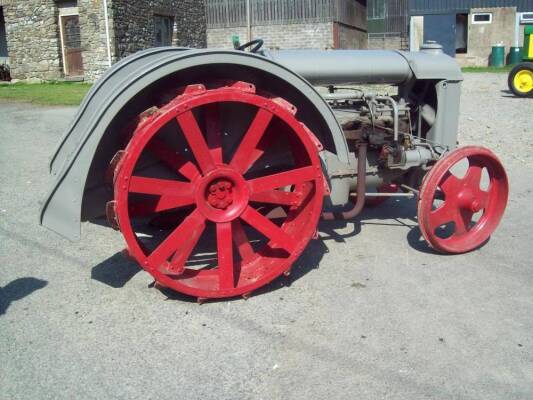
<point>458,214</point>
<point>238,175</point>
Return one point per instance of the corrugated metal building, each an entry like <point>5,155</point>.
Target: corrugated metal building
<point>422,7</point>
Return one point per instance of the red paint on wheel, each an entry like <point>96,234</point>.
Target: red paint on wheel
<point>221,186</point>
<point>462,198</point>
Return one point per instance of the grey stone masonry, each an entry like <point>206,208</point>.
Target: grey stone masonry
<point>94,38</point>
<point>134,23</point>
<point>33,42</point>
<point>33,32</point>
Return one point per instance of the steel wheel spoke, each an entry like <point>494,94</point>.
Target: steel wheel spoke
<point>156,205</point>
<point>175,161</point>
<point>441,216</point>
<point>196,141</point>
<point>173,242</point>
<point>242,160</point>
<point>177,263</point>
<point>161,187</point>
<point>226,272</point>
<point>214,134</point>
<point>473,175</point>
<point>277,197</point>
<point>462,221</point>
<point>241,241</point>
<point>268,228</point>
<point>483,198</point>
<point>450,184</point>
<point>282,179</point>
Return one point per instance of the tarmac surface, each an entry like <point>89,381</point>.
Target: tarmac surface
<point>370,312</point>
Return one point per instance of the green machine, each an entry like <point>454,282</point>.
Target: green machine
<point>521,77</point>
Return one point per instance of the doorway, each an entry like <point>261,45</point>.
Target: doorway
<point>441,29</point>
<point>69,26</point>
<point>461,33</point>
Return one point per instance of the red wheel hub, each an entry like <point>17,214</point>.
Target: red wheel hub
<point>220,194</point>
<point>234,170</point>
<point>448,204</point>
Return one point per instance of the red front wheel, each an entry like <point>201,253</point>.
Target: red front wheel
<point>240,181</point>
<point>462,200</point>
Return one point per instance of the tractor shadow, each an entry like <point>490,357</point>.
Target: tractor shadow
<point>116,271</point>
<point>17,290</point>
<point>119,269</point>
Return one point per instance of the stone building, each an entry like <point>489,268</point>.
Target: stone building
<point>69,39</point>
<point>288,24</point>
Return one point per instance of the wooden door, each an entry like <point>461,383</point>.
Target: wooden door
<point>72,52</point>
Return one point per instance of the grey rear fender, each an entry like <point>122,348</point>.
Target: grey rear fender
<point>78,192</point>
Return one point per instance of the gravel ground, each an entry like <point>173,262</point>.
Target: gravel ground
<point>369,311</point>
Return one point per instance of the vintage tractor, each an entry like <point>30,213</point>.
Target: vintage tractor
<point>521,76</point>
<point>217,165</point>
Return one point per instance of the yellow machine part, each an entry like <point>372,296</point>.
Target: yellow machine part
<point>523,81</point>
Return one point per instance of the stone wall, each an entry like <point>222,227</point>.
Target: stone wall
<point>134,23</point>
<point>33,39</point>
<point>93,37</point>
<point>289,36</point>
<point>34,43</point>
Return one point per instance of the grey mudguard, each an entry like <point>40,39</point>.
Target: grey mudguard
<point>61,211</point>
<point>113,76</point>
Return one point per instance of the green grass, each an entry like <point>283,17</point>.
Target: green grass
<point>498,70</point>
<point>51,94</point>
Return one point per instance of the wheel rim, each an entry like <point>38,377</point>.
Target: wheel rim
<point>523,81</point>
<point>456,214</point>
<point>220,199</point>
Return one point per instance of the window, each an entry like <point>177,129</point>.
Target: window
<point>482,18</point>
<point>3,40</point>
<point>461,33</point>
<point>163,30</point>
<point>526,18</point>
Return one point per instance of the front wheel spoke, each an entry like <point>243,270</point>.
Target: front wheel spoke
<point>172,159</point>
<point>441,216</point>
<point>482,198</point>
<point>282,179</point>
<point>172,243</point>
<point>265,226</point>
<point>226,271</point>
<point>473,176</point>
<point>462,221</point>
<point>160,187</point>
<point>242,160</point>
<point>195,138</point>
<point>450,184</point>
<point>277,197</point>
